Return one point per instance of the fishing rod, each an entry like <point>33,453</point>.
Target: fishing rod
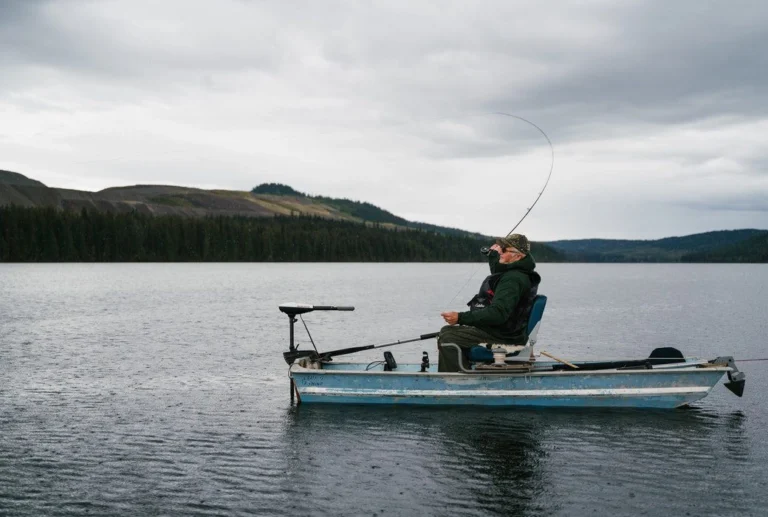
<point>551,166</point>
<point>291,356</point>
<point>486,250</point>
<point>292,310</point>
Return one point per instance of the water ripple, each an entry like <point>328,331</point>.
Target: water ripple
<point>133,390</point>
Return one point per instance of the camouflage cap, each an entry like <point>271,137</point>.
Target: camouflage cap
<point>516,240</point>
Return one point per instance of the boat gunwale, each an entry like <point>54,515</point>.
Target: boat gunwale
<point>697,367</point>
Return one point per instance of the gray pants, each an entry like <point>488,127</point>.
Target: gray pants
<point>465,337</point>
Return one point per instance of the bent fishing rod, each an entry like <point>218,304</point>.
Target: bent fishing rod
<point>551,167</point>
<point>486,250</point>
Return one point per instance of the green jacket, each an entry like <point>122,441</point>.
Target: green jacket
<point>514,286</point>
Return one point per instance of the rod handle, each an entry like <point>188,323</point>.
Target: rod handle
<point>428,336</point>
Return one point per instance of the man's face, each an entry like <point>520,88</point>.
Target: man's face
<point>509,255</point>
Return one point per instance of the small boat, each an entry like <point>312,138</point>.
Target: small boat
<point>503,376</point>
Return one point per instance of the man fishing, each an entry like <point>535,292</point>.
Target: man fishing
<point>498,314</point>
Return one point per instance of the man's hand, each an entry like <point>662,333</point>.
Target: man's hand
<point>496,248</point>
<point>451,318</point>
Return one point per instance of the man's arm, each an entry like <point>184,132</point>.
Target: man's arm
<point>452,318</point>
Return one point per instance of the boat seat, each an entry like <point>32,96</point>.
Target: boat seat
<point>481,354</point>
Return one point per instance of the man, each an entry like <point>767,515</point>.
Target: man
<point>499,312</point>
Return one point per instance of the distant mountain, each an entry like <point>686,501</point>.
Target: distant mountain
<point>275,199</point>
<point>689,248</point>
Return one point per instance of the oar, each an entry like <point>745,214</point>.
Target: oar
<point>290,357</point>
<point>560,360</point>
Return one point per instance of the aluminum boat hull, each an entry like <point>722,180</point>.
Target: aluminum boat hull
<point>669,386</point>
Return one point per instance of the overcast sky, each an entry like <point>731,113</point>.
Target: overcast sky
<point>658,111</point>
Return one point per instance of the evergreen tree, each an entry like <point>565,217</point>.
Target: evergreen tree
<point>47,234</point>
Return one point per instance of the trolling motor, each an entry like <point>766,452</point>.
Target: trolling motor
<point>293,310</point>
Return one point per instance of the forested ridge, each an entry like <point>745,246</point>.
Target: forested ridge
<point>746,245</point>
<point>53,234</point>
<point>753,249</point>
<point>50,235</point>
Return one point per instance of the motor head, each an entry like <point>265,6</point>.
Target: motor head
<point>293,355</point>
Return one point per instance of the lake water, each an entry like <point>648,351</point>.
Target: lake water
<point>160,389</point>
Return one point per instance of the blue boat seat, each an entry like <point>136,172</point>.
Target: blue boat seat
<point>478,354</point>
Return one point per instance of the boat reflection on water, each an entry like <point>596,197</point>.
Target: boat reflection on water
<point>351,460</point>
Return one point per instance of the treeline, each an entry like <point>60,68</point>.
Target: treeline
<point>754,249</point>
<point>746,245</point>
<point>52,235</point>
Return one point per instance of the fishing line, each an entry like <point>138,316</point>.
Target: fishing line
<point>549,176</point>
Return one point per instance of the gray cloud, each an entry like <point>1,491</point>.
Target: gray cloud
<point>392,103</point>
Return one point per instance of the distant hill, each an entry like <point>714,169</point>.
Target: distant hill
<point>752,249</point>
<point>270,200</point>
<point>359,209</point>
<point>16,189</point>
<point>265,200</point>
<point>689,248</point>
<point>277,189</point>
<point>14,178</point>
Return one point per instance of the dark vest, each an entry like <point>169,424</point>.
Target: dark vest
<point>518,320</point>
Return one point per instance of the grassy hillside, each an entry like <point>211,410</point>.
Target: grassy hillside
<point>360,210</point>
<point>14,178</point>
